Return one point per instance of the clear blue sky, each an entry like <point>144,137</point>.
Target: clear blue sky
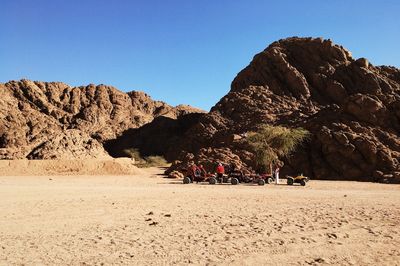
<point>183,51</point>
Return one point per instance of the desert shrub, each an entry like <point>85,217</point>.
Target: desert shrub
<point>144,162</point>
<point>155,161</point>
<point>270,143</point>
<point>134,154</point>
<point>148,161</point>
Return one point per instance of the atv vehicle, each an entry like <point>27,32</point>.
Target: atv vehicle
<point>237,177</point>
<point>224,179</point>
<point>195,175</point>
<point>231,176</point>
<point>300,179</point>
<point>234,177</point>
<point>190,179</point>
<point>267,178</point>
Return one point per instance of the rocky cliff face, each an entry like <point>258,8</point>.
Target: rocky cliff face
<point>351,107</point>
<point>48,120</point>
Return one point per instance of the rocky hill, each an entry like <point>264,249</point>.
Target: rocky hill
<point>351,107</point>
<point>51,120</point>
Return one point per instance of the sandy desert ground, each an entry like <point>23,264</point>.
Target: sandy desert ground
<point>145,219</point>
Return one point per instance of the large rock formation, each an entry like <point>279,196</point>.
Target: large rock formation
<point>351,107</point>
<point>41,120</point>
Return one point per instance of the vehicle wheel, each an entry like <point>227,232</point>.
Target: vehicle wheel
<point>290,181</point>
<point>303,182</point>
<point>234,181</point>
<point>270,180</point>
<point>212,181</point>
<point>187,180</point>
<point>261,182</point>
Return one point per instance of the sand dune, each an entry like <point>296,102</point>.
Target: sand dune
<point>145,219</point>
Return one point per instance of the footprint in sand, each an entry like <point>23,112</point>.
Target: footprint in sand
<point>332,235</point>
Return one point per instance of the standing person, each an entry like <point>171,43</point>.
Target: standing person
<point>276,172</point>
<point>220,172</point>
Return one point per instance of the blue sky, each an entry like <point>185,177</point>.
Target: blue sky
<point>183,51</point>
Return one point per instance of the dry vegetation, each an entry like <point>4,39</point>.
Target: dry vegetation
<point>270,143</point>
<point>144,162</point>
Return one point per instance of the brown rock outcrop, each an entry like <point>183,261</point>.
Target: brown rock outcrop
<point>351,107</point>
<point>51,120</point>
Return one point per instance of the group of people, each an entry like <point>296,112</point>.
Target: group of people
<point>199,173</point>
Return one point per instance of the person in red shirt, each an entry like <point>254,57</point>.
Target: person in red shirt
<point>220,172</point>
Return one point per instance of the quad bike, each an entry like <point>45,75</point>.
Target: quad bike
<point>237,177</point>
<point>196,176</point>
<point>300,179</point>
<point>264,179</point>
<point>233,178</point>
<point>220,179</point>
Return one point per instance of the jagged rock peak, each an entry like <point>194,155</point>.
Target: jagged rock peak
<point>37,117</point>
